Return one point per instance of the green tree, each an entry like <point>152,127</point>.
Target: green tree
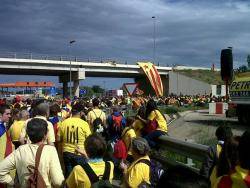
<point>242,68</point>
<point>89,91</point>
<point>248,61</point>
<point>97,89</point>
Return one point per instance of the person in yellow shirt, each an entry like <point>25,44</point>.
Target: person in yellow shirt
<point>156,124</point>
<point>240,176</point>
<point>138,125</point>
<point>228,159</point>
<point>87,174</point>
<point>72,134</point>
<point>94,114</point>
<point>16,127</point>
<point>138,172</point>
<point>128,134</point>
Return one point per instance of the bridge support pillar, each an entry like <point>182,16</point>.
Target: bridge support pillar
<point>76,77</point>
<point>76,88</point>
<point>65,89</point>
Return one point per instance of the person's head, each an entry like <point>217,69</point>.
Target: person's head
<point>15,114</point>
<point>244,152</point>
<point>229,156</point>
<point>77,109</point>
<point>223,133</point>
<point>115,109</point>
<point>151,105</point>
<point>140,147</point>
<point>95,146</point>
<point>54,109</point>
<point>5,113</point>
<point>42,109</point>
<point>130,121</point>
<point>141,112</point>
<point>37,130</point>
<point>24,115</point>
<point>95,102</point>
<point>182,177</point>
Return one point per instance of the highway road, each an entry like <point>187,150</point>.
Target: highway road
<point>199,126</point>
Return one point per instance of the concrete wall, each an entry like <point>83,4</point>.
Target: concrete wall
<point>180,84</point>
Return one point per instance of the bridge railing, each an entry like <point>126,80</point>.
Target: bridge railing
<point>174,151</point>
<point>57,57</point>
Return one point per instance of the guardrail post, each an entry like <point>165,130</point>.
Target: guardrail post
<point>190,162</point>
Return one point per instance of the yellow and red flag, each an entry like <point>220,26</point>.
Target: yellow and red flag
<point>153,76</point>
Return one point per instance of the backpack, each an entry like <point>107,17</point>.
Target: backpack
<point>156,171</point>
<point>117,123</point>
<point>35,179</point>
<point>94,179</point>
<point>120,149</point>
<point>151,126</point>
<point>97,123</point>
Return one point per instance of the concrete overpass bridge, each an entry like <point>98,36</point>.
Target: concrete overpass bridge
<point>79,70</point>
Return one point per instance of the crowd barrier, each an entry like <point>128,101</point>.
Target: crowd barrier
<point>193,153</point>
<point>218,108</point>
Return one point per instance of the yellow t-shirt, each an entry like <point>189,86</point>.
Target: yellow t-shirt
<point>79,179</point>
<point>127,136</point>
<point>15,130</point>
<point>162,124</point>
<point>73,132</point>
<point>93,114</point>
<point>138,173</point>
<point>138,125</point>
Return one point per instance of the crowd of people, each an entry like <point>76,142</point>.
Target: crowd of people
<point>75,143</point>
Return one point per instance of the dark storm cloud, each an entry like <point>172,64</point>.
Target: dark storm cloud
<point>189,32</point>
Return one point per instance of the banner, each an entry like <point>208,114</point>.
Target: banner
<point>153,76</point>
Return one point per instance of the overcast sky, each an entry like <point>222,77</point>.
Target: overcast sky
<point>188,32</point>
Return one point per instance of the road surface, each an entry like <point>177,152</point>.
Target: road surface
<point>199,126</point>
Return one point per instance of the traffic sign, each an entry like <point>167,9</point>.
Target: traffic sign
<point>82,91</point>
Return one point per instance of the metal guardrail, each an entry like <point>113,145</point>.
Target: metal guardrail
<point>37,56</point>
<point>191,151</point>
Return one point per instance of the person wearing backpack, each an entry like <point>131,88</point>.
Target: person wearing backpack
<point>116,123</point>
<point>96,172</point>
<point>96,118</point>
<point>138,172</point>
<point>34,155</point>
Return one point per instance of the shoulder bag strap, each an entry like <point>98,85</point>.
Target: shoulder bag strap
<point>145,161</point>
<point>90,173</point>
<point>38,156</point>
<point>107,170</point>
<point>125,132</point>
<point>94,113</point>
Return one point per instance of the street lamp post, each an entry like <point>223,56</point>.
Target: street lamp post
<point>153,17</point>
<point>70,73</point>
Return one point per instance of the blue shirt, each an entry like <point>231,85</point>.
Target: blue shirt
<point>2,129</point>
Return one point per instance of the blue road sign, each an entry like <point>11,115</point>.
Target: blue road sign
<point>52,91</point>
<point>82,91</point>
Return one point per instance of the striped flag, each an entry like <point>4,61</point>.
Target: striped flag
<point>153,76</point>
